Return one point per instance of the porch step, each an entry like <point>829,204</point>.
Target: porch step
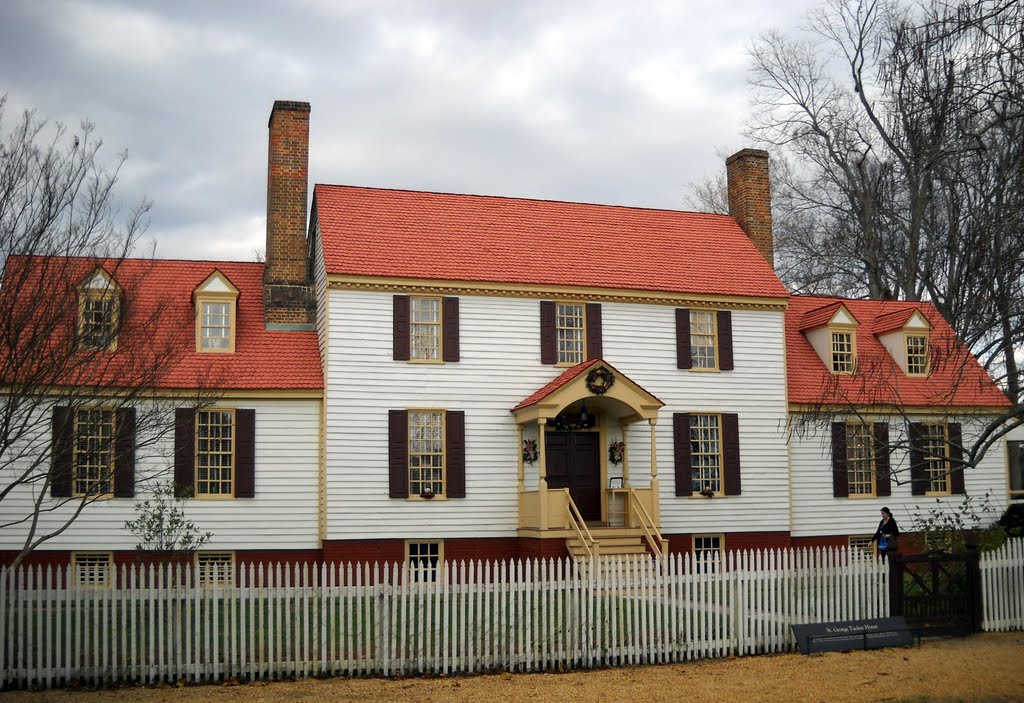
<point>608,546</point>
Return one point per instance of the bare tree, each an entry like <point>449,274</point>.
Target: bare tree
<point>81,350</point>
<point>898,136</point>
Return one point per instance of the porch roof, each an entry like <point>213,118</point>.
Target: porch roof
<point>570,385</point>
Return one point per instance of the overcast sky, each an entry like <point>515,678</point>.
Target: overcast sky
<point>606,102</point>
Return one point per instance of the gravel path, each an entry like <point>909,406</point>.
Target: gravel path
<point>986,667</point>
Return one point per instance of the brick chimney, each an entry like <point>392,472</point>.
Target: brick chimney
<point>750,198</point>
<point>288,298</point>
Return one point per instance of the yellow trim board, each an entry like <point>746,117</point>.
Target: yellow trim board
<point>512,290</point>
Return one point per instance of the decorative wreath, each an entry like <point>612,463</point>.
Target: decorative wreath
<point>616,451</point>
<point>529,450</point>
<point>599,380</point>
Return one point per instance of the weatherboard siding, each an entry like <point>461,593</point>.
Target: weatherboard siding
<point>817,512</point>
<point>499,366</point>
<point>282,515</point>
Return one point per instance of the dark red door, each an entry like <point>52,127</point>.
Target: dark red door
<point>574,462</point>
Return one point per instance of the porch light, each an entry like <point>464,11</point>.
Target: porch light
<point>584,416</point>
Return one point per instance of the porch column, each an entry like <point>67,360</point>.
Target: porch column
<point>655,492</point>
<point>542,481</point>
<point>522,479</point>
<point>625,458</point>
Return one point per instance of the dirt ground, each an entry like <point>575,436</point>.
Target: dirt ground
<point>987,667</point>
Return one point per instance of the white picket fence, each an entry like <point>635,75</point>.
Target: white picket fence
<point>1002,586</point>
<point>155,624</point>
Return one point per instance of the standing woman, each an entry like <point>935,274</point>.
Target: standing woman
<point>886,534</point>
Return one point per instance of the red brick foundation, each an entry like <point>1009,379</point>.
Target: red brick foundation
<point>734,541</point>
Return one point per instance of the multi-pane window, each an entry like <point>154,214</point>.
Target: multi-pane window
<point>706,453</point>
<point>842,352</point>
<point>860,460</point>
<point>1015,456</point>
<point>702,339</point>
<point>215,568</point>
<point>92,569</point>
<point>94,451</point>
<point>215,452</point>
<point>215,327</point>
<point>98,321</point>
<point>708,551</point>
<point>424,561</point>
<point>426,452</point>
<point>935,450</point>
<point>425,329</point>
<point>569,322</point>
<point>917,355</point>
<point>861,544</point>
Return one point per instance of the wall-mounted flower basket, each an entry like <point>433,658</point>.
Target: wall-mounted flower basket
<point>707,492</point>
<point>530,451</point>
<point>616,452</point>
<point>427,494</point>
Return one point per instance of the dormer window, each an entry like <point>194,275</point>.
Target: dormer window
<point>99,312</point>
<point>832,331</point>
<point>842,352</point>
<point>216,301</point>
<point>917,355</point>
<point>905,334</point>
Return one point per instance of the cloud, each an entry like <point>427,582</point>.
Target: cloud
<point>591,101</point>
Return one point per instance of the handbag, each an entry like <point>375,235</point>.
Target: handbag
<point>883,544</point>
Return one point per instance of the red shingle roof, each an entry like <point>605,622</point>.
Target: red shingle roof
<point>556,383</point>
<point>409,234</point>
<point>820,316</point>
<point>893,321</point>
<point>956,380</point>
<point>278,360</point>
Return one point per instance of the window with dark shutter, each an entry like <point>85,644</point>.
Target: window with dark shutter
<point>398,453</point>
<point>450,330</point>
<point>883,483</point>
<point>918,473</point>
<point>681,446</point>
<point>400,325</point>
<point>956,458</point>
<point>245,453</point>
<point>185,452</point>
<point>840,476</point>
<point>683,358</point>
<point>548,333</point>
<point>731,453</point>
<point>62,452</point>
<point>725,360</point>
<point>455,454</point>
<point>595,340</point>
<point>124,454</point>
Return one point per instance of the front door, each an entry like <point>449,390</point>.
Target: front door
<point>574,462</point>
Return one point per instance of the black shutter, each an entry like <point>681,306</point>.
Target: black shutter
<point>400,341</point>
<point>455,453</point>
<point>840,475</point>
<point>883,484</point>
<point>62,452</point>
<point>450,326</point>
<point>731,453</point>
<point>918,479</point>
<point>245,453</point>
<point>956,458</point>
<point>124,454</point>
<point>725,362</point>
<point>398,453</point>
<point>683,358</point>
<point>681,443</point>
<point>595,343</point>
<point>548,333</point>
<point>185,452</point>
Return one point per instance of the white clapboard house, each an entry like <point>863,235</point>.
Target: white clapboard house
<point>427,376</point>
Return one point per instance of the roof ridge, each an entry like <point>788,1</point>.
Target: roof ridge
<point>519,198</point>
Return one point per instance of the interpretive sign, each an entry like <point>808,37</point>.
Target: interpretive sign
<point>852,634</point>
